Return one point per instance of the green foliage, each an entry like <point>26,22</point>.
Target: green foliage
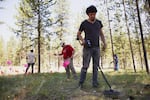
<point>61,17</point>
<point>11,49</point>
<point>147,41</point>
<point>34,14</point>
<point>2,52</point>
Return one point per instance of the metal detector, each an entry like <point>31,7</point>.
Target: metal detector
<point>108,93</point>
<point>78,40</point>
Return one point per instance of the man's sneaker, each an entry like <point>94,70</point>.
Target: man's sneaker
<point>95,85</point>
<point>80,85</point>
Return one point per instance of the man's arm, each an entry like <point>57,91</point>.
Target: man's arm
<point>80,38</point>
<point>103,39</point>
<point>58,54</point>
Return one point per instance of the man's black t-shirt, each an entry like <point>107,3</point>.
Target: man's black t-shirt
<point>92,31</point>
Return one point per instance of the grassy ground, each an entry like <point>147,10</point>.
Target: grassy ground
<point>54,86</point>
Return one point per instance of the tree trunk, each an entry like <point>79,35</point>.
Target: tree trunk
<point>129,36</point>
<point>137,35</point>
<point>140,55</point>
<point>102,61</point>
<point>124,57</point>
<point>22,36</point>
<point>49,59</point>
<point>142,38</point>
<point>39,36</point>
<point>112,47</point>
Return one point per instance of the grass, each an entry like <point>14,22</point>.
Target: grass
<point>54,86</point>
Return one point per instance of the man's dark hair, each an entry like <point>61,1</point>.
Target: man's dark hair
<point>91,9</point>
<point>31,50</point>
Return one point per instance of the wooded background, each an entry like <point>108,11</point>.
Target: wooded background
<point>43,24</point>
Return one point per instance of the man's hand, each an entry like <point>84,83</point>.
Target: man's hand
<point>80,38</point>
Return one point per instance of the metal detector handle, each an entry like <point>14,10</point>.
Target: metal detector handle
<point>104,77</point>
<point>78,40</point>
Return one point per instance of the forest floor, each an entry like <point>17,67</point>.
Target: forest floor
<point>55,86</point>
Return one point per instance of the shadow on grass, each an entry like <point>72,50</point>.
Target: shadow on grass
<point>9,85</point>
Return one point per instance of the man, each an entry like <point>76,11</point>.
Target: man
<point>30,60</point>
<point>92,28</point>
<point>68,53</point>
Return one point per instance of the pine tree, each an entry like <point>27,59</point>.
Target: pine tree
<point>129,36</point>
<point>38,14</point>
<point>142,38</point>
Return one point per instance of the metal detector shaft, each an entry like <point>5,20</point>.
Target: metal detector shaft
<point>104,77</point>
<point>79,40</point>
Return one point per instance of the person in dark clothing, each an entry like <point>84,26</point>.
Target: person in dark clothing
<point>92,28</point>
<point>116,65</point>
